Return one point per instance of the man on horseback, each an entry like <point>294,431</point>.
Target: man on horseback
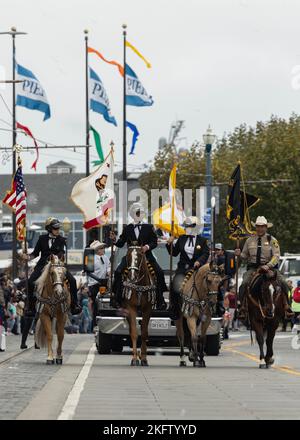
<point>145,236</point>
<point>47,244</point>
<point>194,253</point>
<point>262,252</point>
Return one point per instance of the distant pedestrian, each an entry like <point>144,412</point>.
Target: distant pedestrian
<point>296,303</point>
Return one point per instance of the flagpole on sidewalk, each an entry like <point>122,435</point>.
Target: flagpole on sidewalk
<point>13,32</point>
<point>124,214</point>
<point>87,157</point>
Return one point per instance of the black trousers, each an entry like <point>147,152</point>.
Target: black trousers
<point>93,290</point>
<point>118,285</point>
<point>36,274</point>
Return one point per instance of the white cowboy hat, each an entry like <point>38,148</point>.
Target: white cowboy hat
<point>191,222</point>
<point>97,245</point>
<point>262,221</point>
<point>135,207</point>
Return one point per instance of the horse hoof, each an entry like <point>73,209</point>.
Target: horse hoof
<point>196,364</point>
<point>135,362</point>
<point>50,361</point>
<point>182,364</point>
<point>262,366</point>
<point>59,361</point>
<point>36,346</point>
<point>270,361</point>
<point>144,363</point>
<point>202,364</point>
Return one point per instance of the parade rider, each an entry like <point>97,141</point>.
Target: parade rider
<point>143,234</point>
<point>194,253</point>
<point>261,251</point>
<point>48,244</point>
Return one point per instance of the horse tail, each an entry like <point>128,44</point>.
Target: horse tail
<point>40,335</point>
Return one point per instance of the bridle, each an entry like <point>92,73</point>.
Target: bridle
<point>133,259</point>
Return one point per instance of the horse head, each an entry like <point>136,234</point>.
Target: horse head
<point>135,258</point>
<point>57,274</point>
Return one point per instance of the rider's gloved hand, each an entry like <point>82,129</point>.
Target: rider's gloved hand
<point>264,268</point>
<point>197,265</point>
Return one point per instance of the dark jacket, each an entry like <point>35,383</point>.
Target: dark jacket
<point>201,252</point>
<point>42,247</point>
<point>147,236</point>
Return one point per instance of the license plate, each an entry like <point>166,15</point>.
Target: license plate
<point>157,324</point>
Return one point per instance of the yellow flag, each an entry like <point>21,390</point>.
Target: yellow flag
<point>138,54</point>
<point>172,189</point>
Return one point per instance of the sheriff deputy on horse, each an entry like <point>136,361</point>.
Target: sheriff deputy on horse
<point>194,253</point>
<point>262,252</point>
<point>47,244</point>
<point>144,235</point>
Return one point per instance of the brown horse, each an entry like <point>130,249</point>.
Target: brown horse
<point>199,298</point>
<point>139,292</point>
<point>264,299</point>
<point>53,302</point>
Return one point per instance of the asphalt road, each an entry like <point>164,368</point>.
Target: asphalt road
<point>91,386</point>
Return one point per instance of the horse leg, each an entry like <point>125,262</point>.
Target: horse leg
<point>60,330</point>
<point>133,335</point>
<point>202,341</point>
<point>191,321</point>
<point>269,341</point>
<point>47,324</point>
<point>259,333</point>
<point>180,337</point>
<point>144,335</point>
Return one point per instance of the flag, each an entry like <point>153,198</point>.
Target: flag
<point>120,68</point>
<point>138,54</point>
<point>97,140</point>
<point>30,93</point>
<point>94,195</point>
<point>99,101</point>
<point>28,132</point>
<point>170,216</point>
<point>238,204</point>
<point>134,137</point>
<point>135,92</point>
<point>15,199</point>
<point>162,219</point>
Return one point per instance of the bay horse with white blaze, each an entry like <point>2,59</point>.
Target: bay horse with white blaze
<point>53,299</point>
<point>199,297</point>
<point>265,304</point>
<point>139,291</point>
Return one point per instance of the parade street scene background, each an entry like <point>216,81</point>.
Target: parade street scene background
<point>149,213</point>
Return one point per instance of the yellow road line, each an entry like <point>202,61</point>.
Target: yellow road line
<point>284,369</point>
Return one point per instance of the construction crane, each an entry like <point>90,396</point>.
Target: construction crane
<point>176,127</point>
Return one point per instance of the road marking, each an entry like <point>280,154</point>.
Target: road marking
<point>284,369</point>
<point>72,401</point>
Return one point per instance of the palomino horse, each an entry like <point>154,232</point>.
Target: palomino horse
<point>53,302</point>
<point>139,292</point>
<point>199,297</point>
<point>265,304</point>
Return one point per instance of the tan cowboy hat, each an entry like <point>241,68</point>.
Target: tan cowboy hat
<point>97,245</point>
<point>262,221</point>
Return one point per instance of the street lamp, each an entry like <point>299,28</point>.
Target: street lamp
<point>67,226</point>
<point>209,139</point>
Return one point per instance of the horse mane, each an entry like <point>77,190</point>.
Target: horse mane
<point>200,274</point>
<point>41,281</point>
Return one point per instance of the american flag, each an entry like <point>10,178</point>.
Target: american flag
<point>16,200</point>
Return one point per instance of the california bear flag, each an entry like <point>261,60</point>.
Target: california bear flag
<point>94,195</point>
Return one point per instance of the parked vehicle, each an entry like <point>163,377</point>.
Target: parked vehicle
<point>113,333</point>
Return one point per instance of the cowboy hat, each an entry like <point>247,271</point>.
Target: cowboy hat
<point>97,245</point>
<point>190,222</point>
<point>262,221</point>
<point>136,207</point>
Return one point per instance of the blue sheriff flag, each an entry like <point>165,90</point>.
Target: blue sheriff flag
<point>30,93</point>
<point>99,101</point>
<point>135,92</point>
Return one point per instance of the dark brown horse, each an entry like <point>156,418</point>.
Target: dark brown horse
<point>54,300</point>
<point>139,292</point>
<point>199,298</point>
<point>265,304</point>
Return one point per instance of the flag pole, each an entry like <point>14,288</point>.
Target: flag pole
<point>112,252</point>
<point>87,157</point>
<point>172,234</point>
<point>213,225</point>
<point>124,214</point>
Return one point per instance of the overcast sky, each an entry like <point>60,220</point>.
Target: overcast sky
<point>218,62</point>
